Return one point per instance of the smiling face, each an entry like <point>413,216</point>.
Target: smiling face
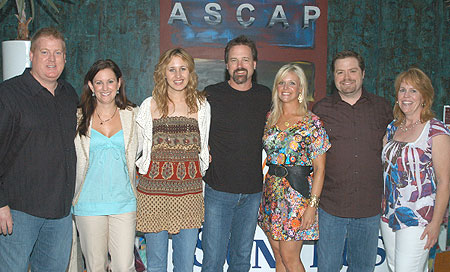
<point>289,88</point>
<point>48,59</point>
<point>241,65</point>
<point>105,85</point>
<point>348,77</point>
<point>410,100</point>
<point>177,74</point>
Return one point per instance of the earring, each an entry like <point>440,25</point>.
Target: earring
<point>300,98</point>
<point>93,94</point>
<point>117,92</point>
<point>396,102</point>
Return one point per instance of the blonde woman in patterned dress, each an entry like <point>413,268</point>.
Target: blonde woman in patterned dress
<point>294,140</point>
<point>174,124</point>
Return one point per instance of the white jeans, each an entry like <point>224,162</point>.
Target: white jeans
<point>404,250</point>
<point>108,233</point>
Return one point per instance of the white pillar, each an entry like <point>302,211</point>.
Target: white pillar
<point>16,57</point>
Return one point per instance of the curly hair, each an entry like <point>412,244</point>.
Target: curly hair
<point>160,91</point>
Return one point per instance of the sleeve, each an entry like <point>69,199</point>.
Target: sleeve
<point>9,130</point>
<point>390,130</point>
<point>437,128</point>
<point>205,121</point>
<point>145,130</point>
<point>320,142</point>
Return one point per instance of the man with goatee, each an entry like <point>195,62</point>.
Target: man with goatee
<point>234,177</point>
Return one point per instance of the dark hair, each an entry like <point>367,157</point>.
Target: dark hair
<point>241,40</point>
<point>348,54</point>
<point>47,32</point>
<point>419,80</point>
<point>89,102</point>
<point>160,91</point>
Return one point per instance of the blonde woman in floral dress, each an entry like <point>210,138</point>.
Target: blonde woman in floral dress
<point>295,142</point>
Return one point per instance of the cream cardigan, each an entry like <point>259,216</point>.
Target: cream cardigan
<point>131,140</point>
<point>145,127</point>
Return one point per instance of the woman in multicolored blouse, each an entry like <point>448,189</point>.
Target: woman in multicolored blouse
<point>416,158</point>
<point>174,124</point>
<point>295,142</point>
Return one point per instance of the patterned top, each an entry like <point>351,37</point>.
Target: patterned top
<point>282,207</point>
<point>409,178</point>
<point>170,193</point>
<point>175,149</point>
<point>298,144</point>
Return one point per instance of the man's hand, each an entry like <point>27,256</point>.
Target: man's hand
<point>6,222</point>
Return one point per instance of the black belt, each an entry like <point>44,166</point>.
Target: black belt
<point>296,175</point>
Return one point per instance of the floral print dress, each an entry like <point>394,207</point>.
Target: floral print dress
<point>282,207</point>
<point>409,178</point>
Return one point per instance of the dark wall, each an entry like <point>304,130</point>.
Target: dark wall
<point>124,31</point>
<point>391,36</point>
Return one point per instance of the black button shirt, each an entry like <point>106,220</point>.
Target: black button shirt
<point>37,153</point>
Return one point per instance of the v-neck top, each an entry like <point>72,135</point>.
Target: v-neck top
<point>107,189</point>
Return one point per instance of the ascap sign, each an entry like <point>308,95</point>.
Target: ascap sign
<point>244,15</point>
<point>197,23</point>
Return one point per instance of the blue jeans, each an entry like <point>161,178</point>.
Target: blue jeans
<point>230,221</point>
<point>362,243</point>
<point>43,243</point>
<point>183,250</point>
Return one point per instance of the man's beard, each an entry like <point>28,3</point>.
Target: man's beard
<point>240,79</point>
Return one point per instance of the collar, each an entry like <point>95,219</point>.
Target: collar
<point>34,87</point>
<point>335,97</point>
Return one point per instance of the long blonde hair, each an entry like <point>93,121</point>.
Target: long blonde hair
<point>160,92</point>
<point>277,109</point>
<point>419,80</point>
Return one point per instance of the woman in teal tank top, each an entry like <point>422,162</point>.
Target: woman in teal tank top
<point>106,145</point>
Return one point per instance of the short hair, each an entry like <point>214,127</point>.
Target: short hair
<point>419,80</point>
<point>160,91</point>
<point>47,32</point>
<point>276,109</point>
<point>348,54</point>
<point>241,40</point>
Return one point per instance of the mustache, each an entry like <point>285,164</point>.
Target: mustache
<point>240,70</point>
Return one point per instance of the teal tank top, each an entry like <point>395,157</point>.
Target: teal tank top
<point>107,188</point>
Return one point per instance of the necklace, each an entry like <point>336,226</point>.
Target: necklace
<point>104,121</point>
<point>406,128</point>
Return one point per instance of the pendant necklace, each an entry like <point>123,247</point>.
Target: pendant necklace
<point>404,128</point>
<point>104,121</point>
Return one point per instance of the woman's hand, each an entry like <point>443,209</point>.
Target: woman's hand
<point>432,231</point>
<point>308,218</point>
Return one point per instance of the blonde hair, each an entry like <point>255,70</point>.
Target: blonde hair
<point>160,92</point>
<point>277,109</point>
<point>419,80</point>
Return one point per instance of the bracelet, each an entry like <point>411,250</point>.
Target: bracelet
<point>314,201</point>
